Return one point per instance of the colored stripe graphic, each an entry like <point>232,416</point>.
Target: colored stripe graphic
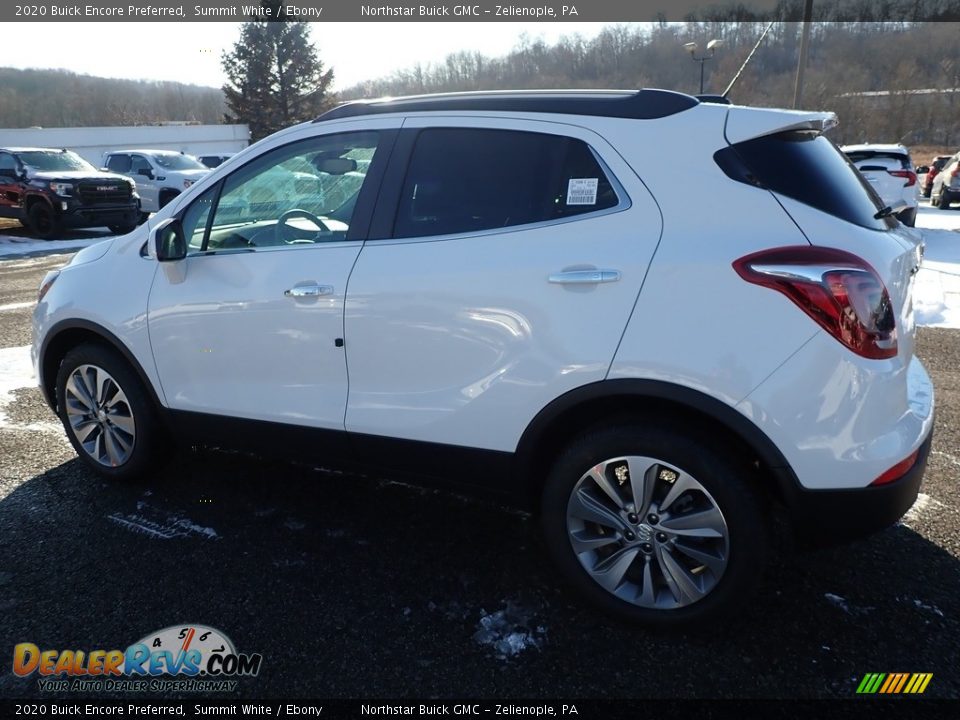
<point>894,683</point>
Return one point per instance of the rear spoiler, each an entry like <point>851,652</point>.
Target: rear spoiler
<point>746,123</point>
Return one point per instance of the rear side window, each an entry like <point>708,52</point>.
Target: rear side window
<point>806,166</point>
<point>466,180</point>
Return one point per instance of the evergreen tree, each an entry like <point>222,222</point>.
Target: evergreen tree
<point>274,76</point>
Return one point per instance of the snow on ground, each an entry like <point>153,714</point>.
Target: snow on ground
<point>936,298</point>
<point>510,631</point>
<point>13,245</point>
<point>16,372</point>
<point>160,524</point>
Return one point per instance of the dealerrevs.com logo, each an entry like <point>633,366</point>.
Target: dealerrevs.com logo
<point>177,658</point>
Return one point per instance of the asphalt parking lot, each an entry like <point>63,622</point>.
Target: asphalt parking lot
<point>359,587</point>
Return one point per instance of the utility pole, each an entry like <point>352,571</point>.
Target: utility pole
<point>804,48</point>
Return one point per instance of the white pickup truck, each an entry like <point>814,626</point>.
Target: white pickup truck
<point>160,175</point>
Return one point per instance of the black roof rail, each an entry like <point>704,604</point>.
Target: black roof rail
<point>715,99</point>
<point>639,105</point>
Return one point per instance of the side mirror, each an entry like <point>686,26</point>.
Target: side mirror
<point>167,242</point>
<point>923,170</point>
<point>146,172</point>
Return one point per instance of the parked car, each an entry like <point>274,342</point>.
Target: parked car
<point>927,173</point>
<point>946,185</point>
<point>160,175</point>
<point>48,190</point>
<point>212,161</point>
<point>532,309</point>
<point>889,169</point>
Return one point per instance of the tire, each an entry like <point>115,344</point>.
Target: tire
<point>167,196</point>
<point>925,193</point>
<point>43,221</point>
<point>117,449</point>
<point>705,480</point>
<point>943,200</point>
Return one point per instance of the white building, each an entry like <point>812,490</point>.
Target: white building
<point>92,142</point>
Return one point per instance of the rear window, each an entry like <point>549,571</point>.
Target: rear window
<point>808,167</point>
<point>886,159</point>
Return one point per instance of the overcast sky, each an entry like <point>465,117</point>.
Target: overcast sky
<point>190,52</point>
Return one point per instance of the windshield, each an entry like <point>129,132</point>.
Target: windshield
<point>52,160</point>
<point>178,162</point>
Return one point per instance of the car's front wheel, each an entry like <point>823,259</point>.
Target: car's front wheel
<point>109,418</point>
<point>654,526</point>
<point>43,221</point>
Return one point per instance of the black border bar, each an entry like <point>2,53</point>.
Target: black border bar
<point>609,11</point>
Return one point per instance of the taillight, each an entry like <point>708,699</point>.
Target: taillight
<point>909,175</point>
<point>839,290</point>
<point>898,470</point>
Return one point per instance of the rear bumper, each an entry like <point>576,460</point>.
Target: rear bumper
<point>827,517</point>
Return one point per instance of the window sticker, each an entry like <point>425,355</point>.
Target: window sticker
<point>582,191</point>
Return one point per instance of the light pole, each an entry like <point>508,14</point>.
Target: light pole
<point>691,47</point>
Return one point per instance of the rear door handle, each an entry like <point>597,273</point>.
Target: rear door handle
<point>584,277</point>
<point>308,291</point>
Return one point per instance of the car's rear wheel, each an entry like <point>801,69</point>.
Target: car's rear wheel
<point>42,221</point>
<point>653,526</point>
<point>943,200</point>
<point>109,418</point>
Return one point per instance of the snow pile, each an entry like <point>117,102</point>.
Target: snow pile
<point>16,372</point>
<point>509,632</point>
<point>936,295</point>
<point>11,245</point>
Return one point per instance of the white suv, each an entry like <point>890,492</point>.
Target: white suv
<point>160,175</point>
<point>505,290</point>
<point>889,169</point>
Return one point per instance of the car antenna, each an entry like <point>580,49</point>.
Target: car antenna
<point>745,62</point>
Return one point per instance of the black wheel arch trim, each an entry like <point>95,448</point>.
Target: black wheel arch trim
<point>28,199</point>
<point>107,338</point>
<point>685,397</point>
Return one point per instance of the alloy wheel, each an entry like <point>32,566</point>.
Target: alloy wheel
<point>100,415</point>
<point>647,532</point>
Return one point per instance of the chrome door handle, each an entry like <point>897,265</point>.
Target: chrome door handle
<point>307,291</point>
<point>584,277</point>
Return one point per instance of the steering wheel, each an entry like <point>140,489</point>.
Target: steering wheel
<point>281,234</point>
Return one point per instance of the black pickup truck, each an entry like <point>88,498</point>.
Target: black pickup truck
<point>50,190</point>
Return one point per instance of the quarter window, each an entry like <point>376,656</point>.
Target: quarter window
<point>466,180</point>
